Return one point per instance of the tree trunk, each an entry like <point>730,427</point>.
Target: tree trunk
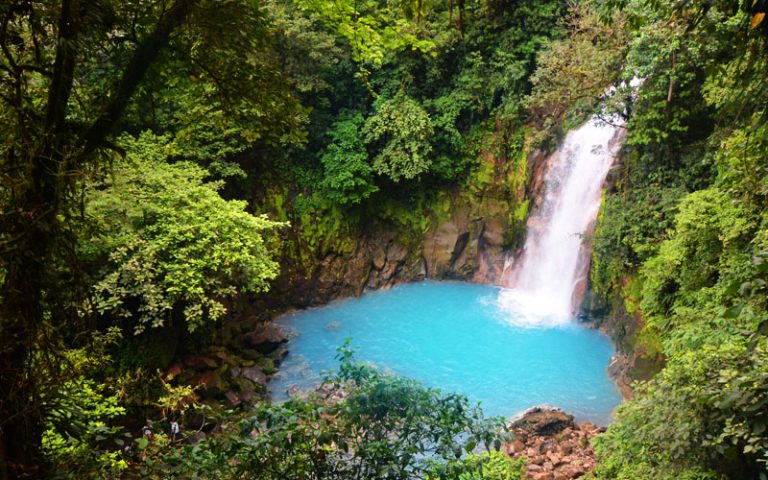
<point>22,314</point>
<point>29,287</point>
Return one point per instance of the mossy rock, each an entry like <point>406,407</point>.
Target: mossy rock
<point>267,364</point>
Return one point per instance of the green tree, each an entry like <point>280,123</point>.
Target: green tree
<point>68,73</point>
<point>399,133</point>
<point>168,243</point>
<point>347,173</point>
<point>574,73</point>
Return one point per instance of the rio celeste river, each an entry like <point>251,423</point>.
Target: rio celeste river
<point>508,349</point>
<point>457,337</point>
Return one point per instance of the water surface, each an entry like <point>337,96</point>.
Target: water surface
<point>454,336</point>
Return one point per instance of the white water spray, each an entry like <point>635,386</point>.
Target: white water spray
<point>545,283</point>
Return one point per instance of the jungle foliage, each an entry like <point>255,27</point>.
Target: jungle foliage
<point>160,159</point>
<point>142,141</point>
<point>382,427</point>
<point>681,243</point>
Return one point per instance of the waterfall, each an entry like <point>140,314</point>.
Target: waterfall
<point>546,282</point>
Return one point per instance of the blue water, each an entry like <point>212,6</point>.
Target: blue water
<point>452,336</point>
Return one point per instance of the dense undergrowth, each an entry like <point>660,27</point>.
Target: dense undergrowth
<point>146,141</point>
<point>164,160</point>
<point>682,242</point>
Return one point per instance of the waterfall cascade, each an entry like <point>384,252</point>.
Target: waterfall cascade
<point>546,282</point>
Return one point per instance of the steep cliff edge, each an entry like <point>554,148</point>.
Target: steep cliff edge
<point>460,233</point>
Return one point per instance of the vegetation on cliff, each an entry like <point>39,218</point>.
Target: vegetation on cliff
<point>681,243</point>
<point>163,161</point>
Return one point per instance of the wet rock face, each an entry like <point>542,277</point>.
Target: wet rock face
<point>631,362</point>
<point>555,447</point>
<point>265,339</point>
<point>464,237</point>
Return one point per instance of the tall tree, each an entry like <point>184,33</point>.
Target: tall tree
<point>68,73</point>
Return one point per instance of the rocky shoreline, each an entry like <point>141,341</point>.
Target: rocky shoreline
<point>554,445</point>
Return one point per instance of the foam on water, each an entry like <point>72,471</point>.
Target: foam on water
<point>454,336</point>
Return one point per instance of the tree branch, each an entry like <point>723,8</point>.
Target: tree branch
<point>63,69</point>
<point>143,57</point>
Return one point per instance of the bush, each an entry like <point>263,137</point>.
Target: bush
<point>385,427</point>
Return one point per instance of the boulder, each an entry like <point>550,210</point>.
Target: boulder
<point>542,476</point>
<point>379,258</point>
<point>388,274</point>
<point>255,374</point>
<point>544,421</point>
<point>266,339</point>
<point>210,380</point>
<point>396,253</point>
<point>554,446</point>
<point>247,389</point>
<point>267,365</point>
<point>232,398</point>
<point>517,446</point>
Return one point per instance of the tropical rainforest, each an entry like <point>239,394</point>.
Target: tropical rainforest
<point>169,168</point>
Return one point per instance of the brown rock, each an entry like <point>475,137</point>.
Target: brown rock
<point>542,476</point>
<point>266,339</point>
<point>518,446</point>
<point>173,371</point>
<point>388,273</point>
<point>570,472</point>
<point>200,361</point>
<point>210,380</point>
<point>553,444</point>
<point>438,248</point>
<point>255,374</point>
<point>554,458</point>
<point>379,258</point>
<point>225,357</point>
<point>589,427</point>
<point>548,444</point>
<point>544,421</point>
<point>232,398</point>
<point>396,253</point>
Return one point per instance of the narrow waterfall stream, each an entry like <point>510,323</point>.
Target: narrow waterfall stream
<point>546,283</point>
